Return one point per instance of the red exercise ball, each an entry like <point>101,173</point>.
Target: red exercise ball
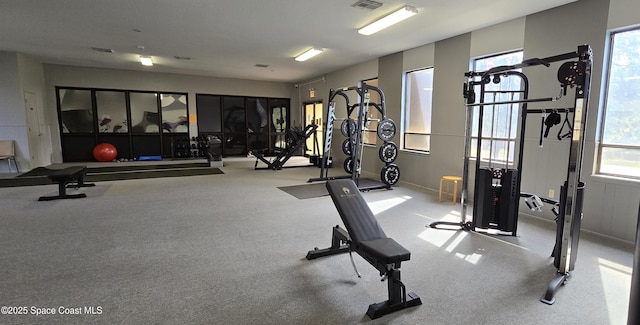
<point>105,152</point>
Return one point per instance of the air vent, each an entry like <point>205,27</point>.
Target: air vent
<point>100,49</point>
<point>182,57</point>
<point>262,65</point>
<point>367,4</point>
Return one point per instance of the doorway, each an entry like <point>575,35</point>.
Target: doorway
<point>313,115</point>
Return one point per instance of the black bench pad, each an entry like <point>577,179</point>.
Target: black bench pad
<point>365,231</point>
<point>69,173</point>
<point>385,250</point>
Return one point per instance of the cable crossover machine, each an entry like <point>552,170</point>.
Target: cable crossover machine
<point>497,190</point>
<point>353,130</point>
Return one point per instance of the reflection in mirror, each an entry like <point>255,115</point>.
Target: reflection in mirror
<point>174,113</point>
<point>209,109</point>
<point>257,123</point>
<point>112,112</point>
<point>76,111</point>
<point>279,119</point>
<point>144,112</point>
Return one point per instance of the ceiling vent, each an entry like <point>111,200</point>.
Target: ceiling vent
<point>367,4</point>
<point>262,65</point>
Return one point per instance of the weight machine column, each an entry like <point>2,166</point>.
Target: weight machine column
<point>570,210</point>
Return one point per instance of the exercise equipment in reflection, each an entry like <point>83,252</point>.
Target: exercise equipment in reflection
<point>295,139</point>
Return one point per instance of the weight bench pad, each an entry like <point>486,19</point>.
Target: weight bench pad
<point>67,174</point>
<point>366,234</point>
<point>385,250</point>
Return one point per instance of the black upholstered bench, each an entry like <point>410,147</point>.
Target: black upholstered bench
<point>73,176</point>
<point>365,236</point>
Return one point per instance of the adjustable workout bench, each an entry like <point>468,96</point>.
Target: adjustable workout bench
<point>74,175</point>
<point>365,236</point>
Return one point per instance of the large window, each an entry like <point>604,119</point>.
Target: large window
<point>619,145</point>
<point>499,122</point>
<point>416,126</point>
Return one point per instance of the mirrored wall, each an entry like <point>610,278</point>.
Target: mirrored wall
<point>136,123</point>
<point>241,124</point>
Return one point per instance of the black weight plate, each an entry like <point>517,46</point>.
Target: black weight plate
<point>347,147</point>
<point>348,125</point>
<point>386,129</point>
<point>388,152</point>
<point>348,165</point>
<point>390,174</point>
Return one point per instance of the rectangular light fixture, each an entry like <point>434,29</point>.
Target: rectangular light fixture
<point>309,54</point>
<point>146,60</point>
<point>386,21</point>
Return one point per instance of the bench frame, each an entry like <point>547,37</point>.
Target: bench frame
<point>341,242</point>
<point>67,178</point>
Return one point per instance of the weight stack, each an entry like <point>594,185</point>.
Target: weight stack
<point>507,209</point>
<point>484,200</point>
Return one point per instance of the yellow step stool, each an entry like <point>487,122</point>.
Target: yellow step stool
<point>448,180</point>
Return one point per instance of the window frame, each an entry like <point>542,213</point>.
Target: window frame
<point>511,142</point>
<point>407,107</point>
<point>603,108</point>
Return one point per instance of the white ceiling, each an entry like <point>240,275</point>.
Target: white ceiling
<point>227,38</point>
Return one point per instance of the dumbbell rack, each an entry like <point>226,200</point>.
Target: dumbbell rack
<point>185,148</point>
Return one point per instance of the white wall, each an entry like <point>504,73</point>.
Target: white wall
<point>31,77</point>
<point>12,116</point>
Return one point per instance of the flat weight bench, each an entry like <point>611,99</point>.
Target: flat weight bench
<point>64,177</point>
<point>365,236</point>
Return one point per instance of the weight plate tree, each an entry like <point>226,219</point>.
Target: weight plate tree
<point>386,129</point>
<point>388,152</point>
<point>390,174</point>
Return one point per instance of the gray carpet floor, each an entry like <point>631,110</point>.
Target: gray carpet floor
<point>229,249</point>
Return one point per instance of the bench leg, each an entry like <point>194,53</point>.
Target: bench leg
<point>398,298</point>
<point>62,193</point>
<point>339,240</point>
<point>80,183</point>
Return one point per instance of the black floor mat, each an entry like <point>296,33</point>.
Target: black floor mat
<point>306,191</point>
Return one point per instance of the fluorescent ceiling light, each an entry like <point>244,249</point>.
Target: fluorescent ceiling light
<point>386,21</point>
<point>309,54</point>
<point>146,60</point>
